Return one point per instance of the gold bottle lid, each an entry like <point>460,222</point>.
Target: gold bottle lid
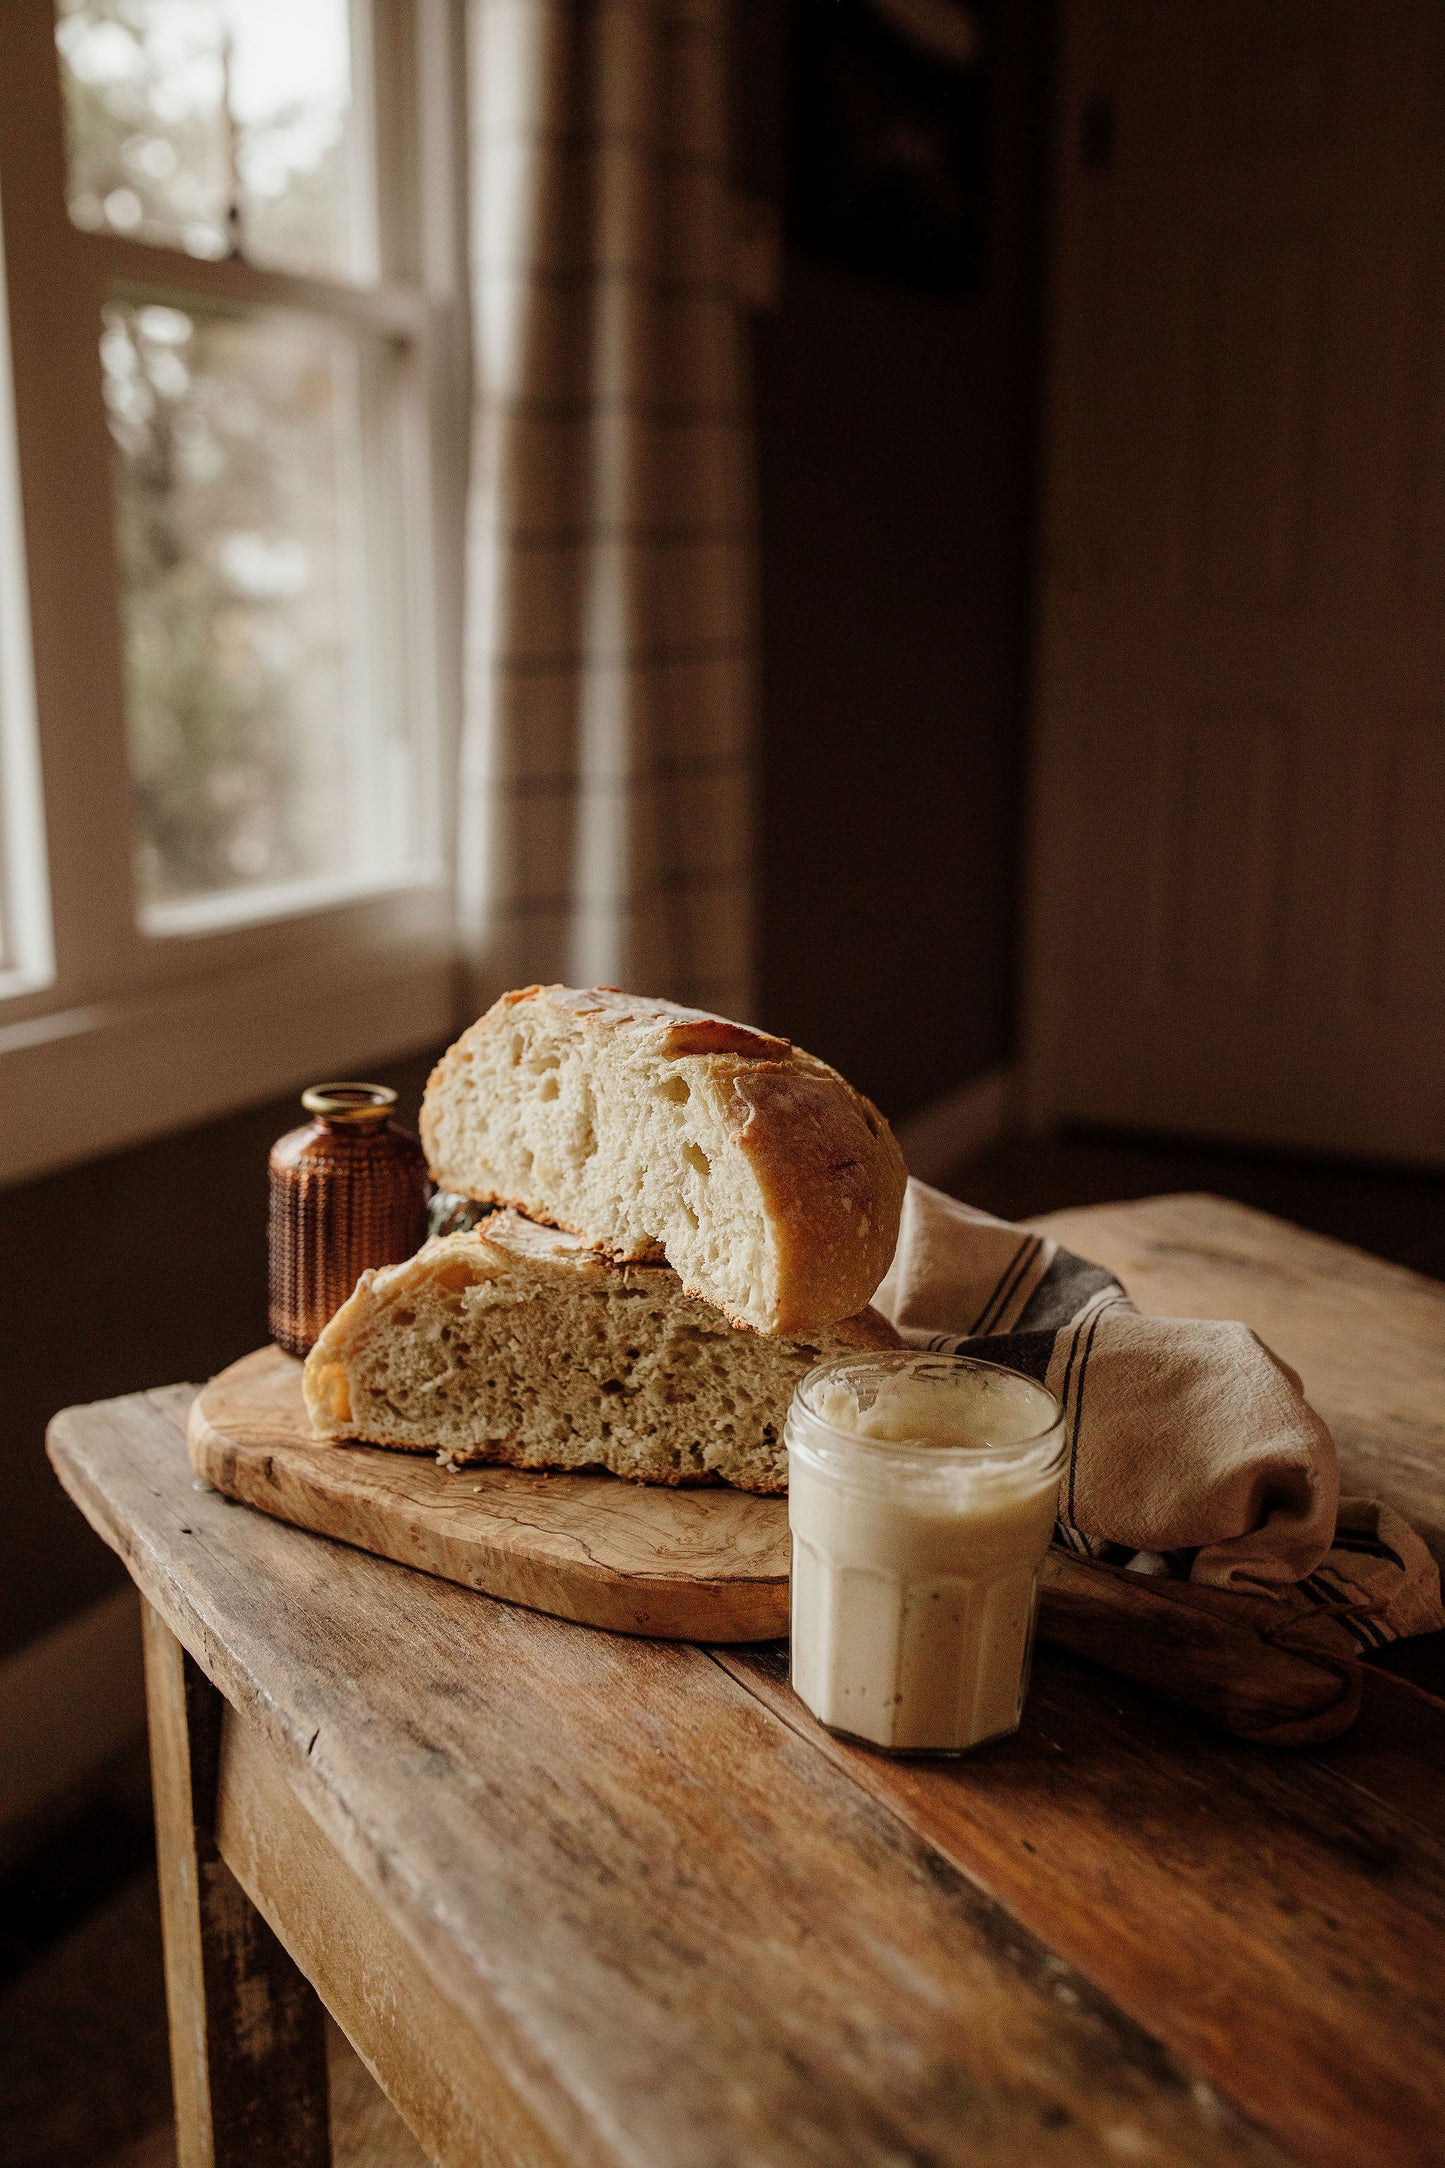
<point>349,1102</point>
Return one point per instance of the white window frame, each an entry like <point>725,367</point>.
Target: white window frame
<point>121,1033</point>
<point>27,953</point>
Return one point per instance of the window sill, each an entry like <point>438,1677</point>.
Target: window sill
<point>19,979</point>
<point>231,908</point>
<point>88,1080</point>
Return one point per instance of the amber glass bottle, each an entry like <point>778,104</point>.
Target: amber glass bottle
<point>348,1190</point>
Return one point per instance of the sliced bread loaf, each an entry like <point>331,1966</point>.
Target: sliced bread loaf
<point>518,1344</point>
<point>770,1186</point>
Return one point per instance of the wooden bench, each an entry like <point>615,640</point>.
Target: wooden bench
<point>577,1898</point>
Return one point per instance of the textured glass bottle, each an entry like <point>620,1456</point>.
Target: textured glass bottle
<point>348,1190</point>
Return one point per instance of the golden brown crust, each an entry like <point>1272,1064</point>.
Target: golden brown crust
<point>833,1178</point>
<point>652,1254</point>
<point>511,1228</point>
<point>512,1231</point>
<point>869,1329</point>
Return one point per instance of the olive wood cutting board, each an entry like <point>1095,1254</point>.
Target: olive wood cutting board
<point>684,1565</point>
<point>706,1564</point>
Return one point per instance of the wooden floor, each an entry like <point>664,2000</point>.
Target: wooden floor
<point>366,2131</point>
<point>84,2072</point>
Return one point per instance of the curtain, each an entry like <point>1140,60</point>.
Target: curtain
<point>605,769</point>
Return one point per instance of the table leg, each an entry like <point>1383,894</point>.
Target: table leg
<point>248,2047</point>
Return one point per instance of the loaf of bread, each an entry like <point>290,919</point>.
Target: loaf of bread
<point>518,1344</point>
<point>771,1187</point>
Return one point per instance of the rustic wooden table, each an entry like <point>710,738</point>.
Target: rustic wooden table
<point>580,1899</point>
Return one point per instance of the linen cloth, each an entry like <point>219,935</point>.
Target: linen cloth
<point>603,826</point>
<point>1192,1449</point>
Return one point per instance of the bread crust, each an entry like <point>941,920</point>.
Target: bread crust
<point>514,1233</point>
<point>827,1167</point>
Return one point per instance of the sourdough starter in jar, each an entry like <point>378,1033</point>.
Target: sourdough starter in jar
<point>922,1491</point>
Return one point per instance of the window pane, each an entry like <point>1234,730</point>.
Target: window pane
<point>217,126</point>
<point>258,755</point>
<point>298,149</point>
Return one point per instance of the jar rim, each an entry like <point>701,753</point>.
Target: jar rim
<point>349,1102</point>
<point>895,1451</point>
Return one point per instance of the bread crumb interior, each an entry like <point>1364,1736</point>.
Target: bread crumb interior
<point>570,1362</point>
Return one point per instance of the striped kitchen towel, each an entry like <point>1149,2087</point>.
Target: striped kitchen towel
<point>1192,1449</point>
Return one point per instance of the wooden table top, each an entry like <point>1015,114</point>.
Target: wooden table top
<point>694,1931</point>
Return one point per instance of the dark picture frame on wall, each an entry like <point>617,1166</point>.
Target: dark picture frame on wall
<point>890,135</point>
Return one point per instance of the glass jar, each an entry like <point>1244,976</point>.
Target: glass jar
<point>922,1492</point>
<point>348,1190</point>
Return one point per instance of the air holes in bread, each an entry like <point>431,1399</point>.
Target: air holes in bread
<point>698,1160</point>
<point>549,1087</point>
<point>675,1089</point>
<point>403,1317</point>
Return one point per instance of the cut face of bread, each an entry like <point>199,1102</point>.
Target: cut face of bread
<point>517,1344</point>
<point>770,1186</point>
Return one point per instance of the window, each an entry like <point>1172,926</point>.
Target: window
<point>221,127</point>
<point>266,764</point>
<point>234,530</point>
